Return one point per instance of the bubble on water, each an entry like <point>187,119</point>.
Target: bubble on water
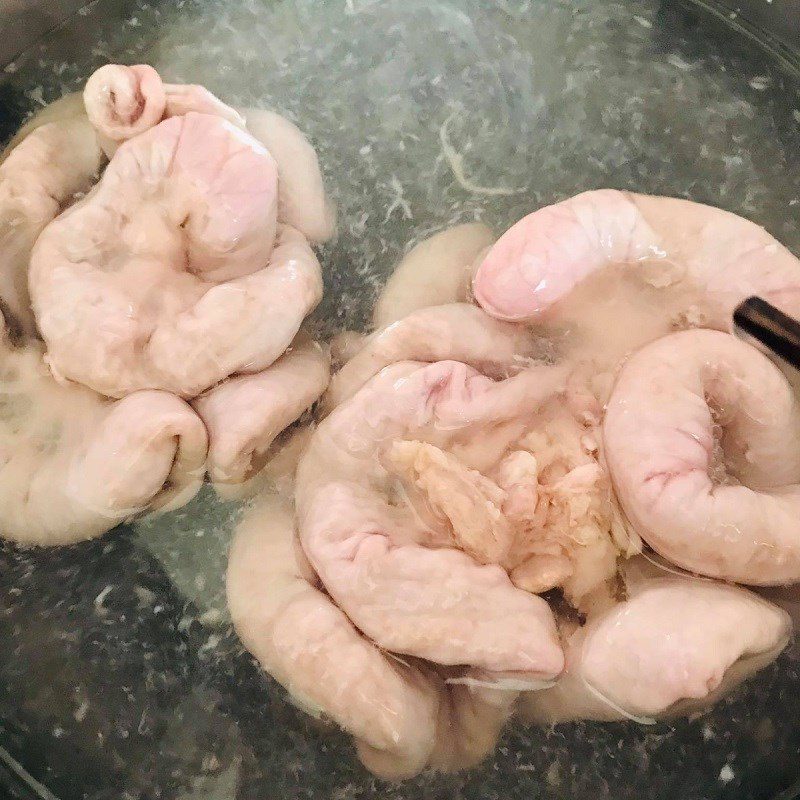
<point>726,774</point>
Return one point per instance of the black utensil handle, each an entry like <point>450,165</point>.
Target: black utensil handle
<point>777,331</point>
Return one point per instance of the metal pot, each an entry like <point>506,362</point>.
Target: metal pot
<point>119,676</point>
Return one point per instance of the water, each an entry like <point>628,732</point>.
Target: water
<point>424,115</point>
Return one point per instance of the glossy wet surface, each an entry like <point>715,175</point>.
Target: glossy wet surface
<point>119,674</point>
